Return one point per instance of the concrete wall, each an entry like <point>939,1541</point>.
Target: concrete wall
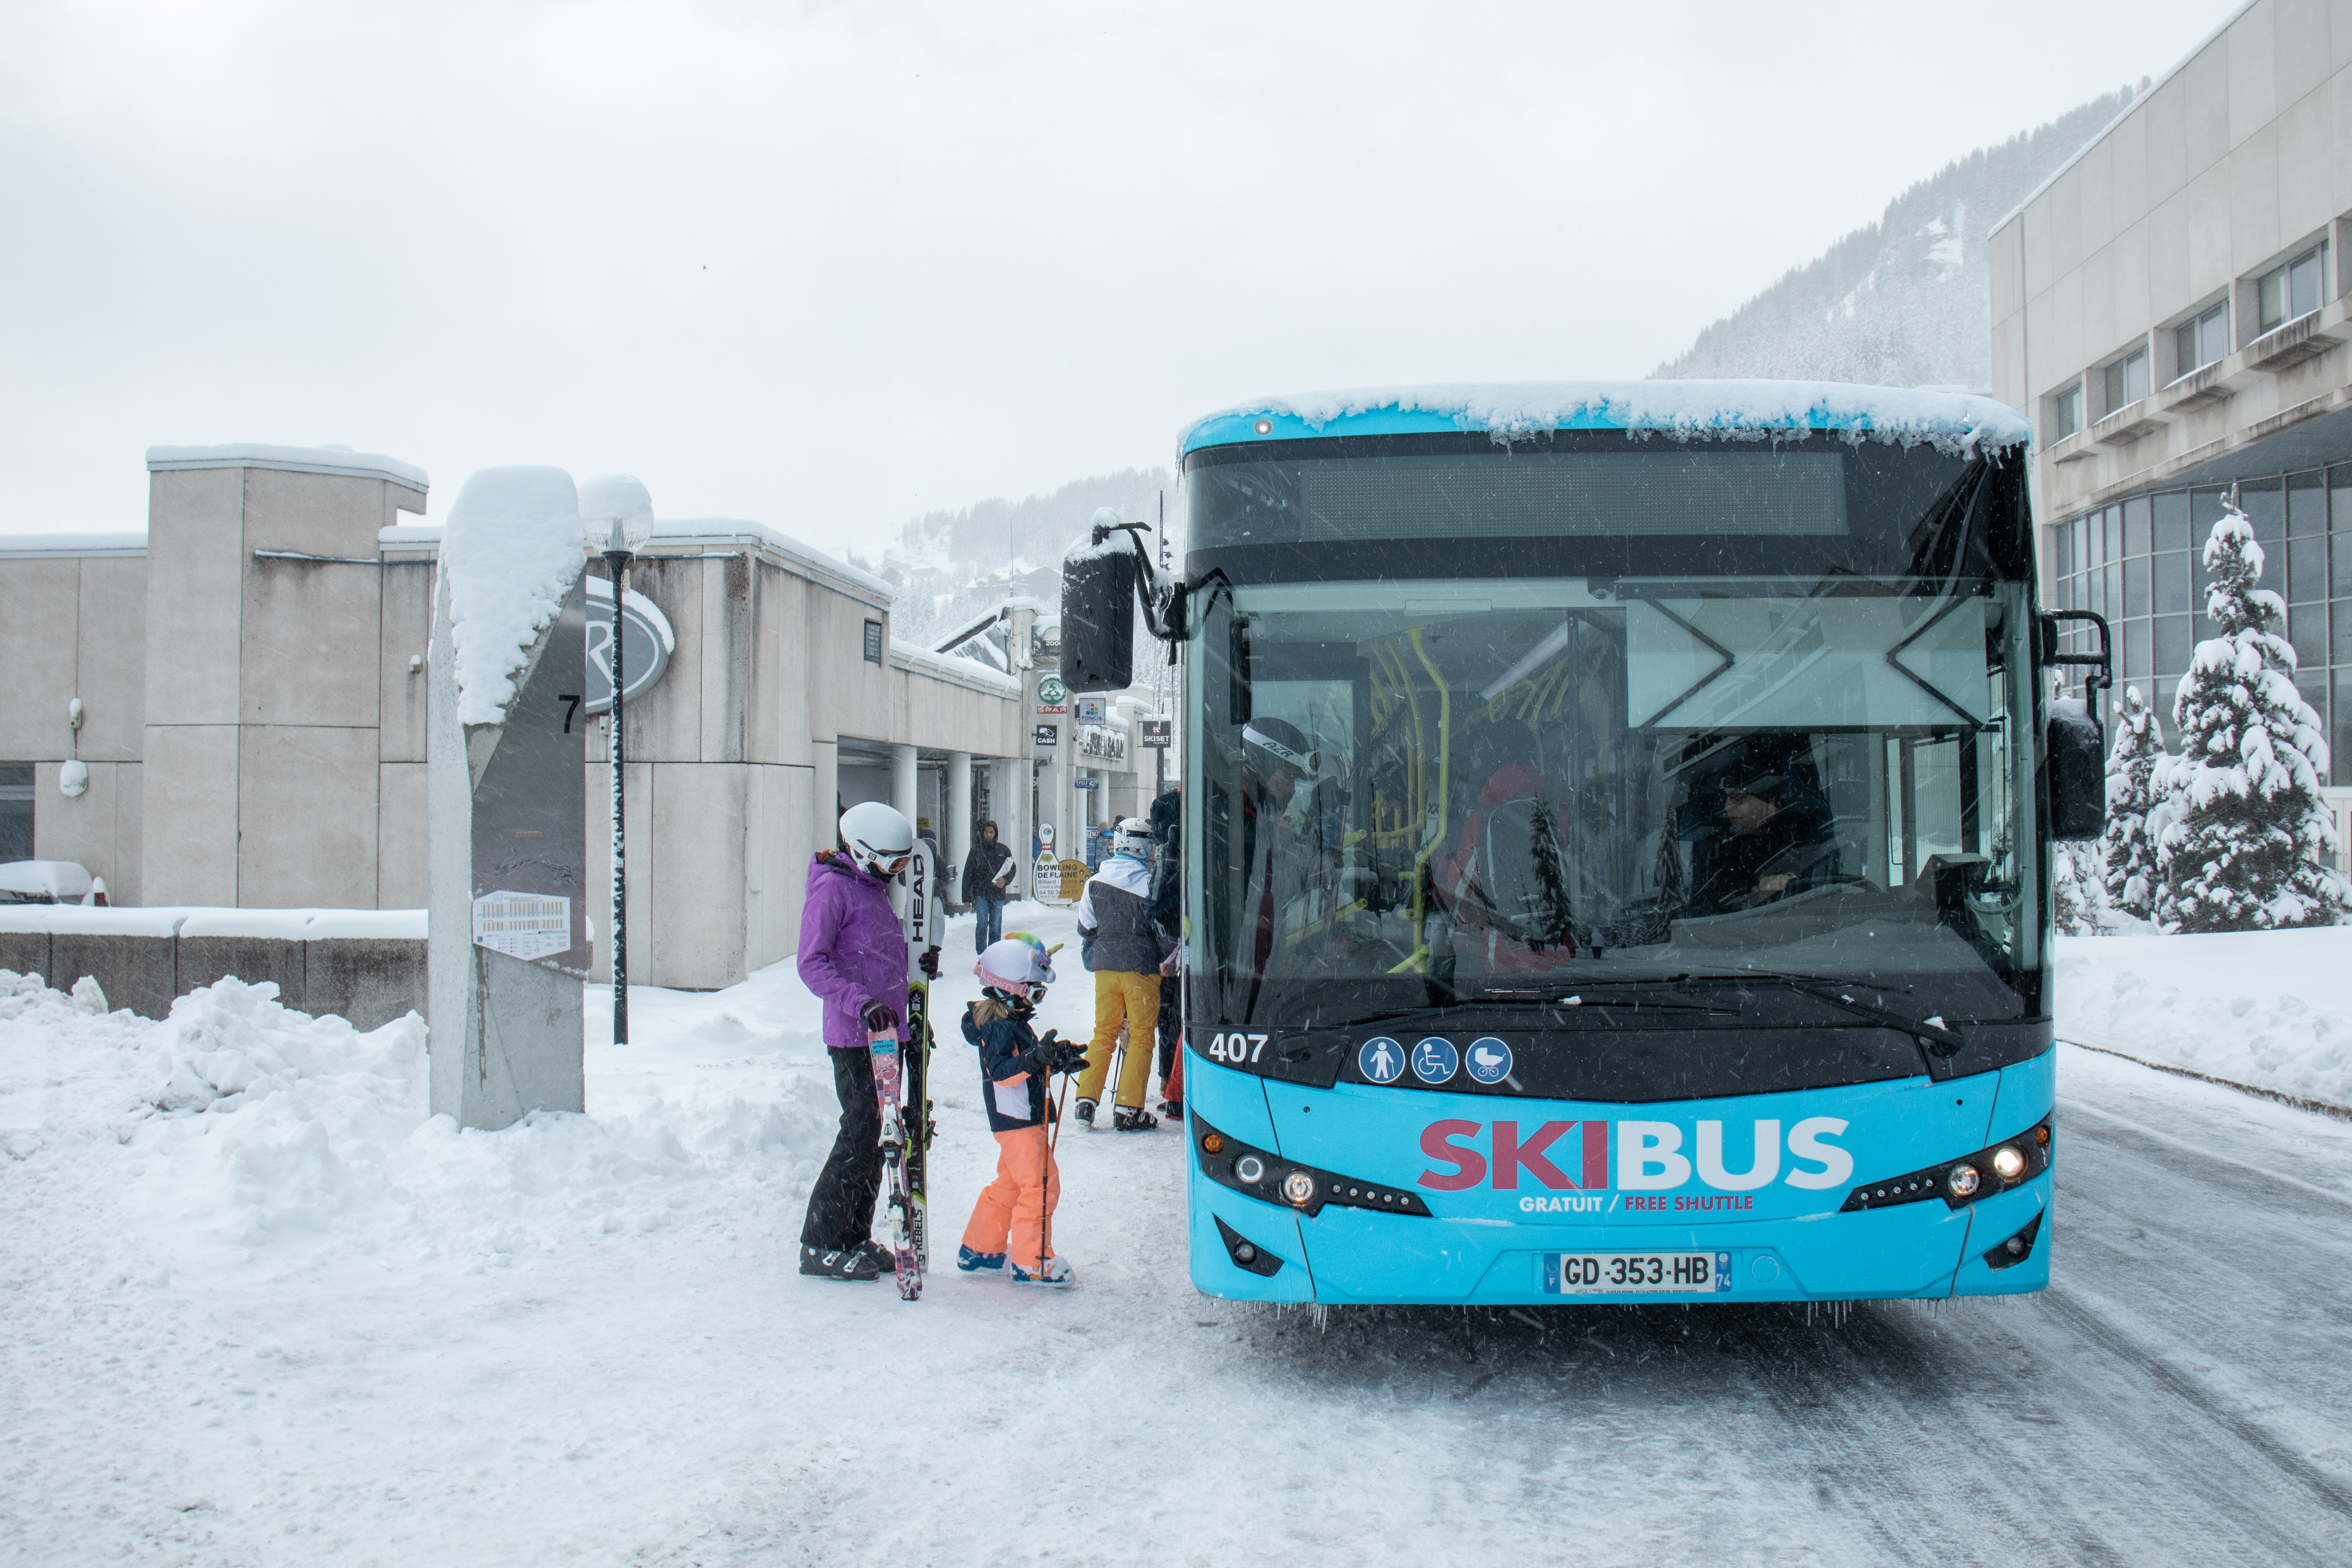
<point>256,737</point>
<point>2233,162</point>
<point>368,981</point>
<point>269,682</point>
<point>732,755</point>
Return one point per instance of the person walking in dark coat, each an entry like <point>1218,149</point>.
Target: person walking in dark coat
<point>987,887</point>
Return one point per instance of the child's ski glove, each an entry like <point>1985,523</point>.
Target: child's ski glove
<point>1059,1055</point>
<point>879,1016</point>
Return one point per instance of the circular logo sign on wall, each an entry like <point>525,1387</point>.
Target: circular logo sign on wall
<point>1051,690</point>
<point>646,644</point>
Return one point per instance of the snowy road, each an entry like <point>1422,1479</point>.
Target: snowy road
<point>592,1348</point>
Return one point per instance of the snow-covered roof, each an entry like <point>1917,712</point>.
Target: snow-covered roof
<point>294,459</point>
<point>955,668</point>
<point>1950,421</point>
<point>29,545</point>
<point>677,531</point>
<point>673,535</point>
<point>510,552</point>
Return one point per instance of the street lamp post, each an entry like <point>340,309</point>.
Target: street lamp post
<point>617,515</point>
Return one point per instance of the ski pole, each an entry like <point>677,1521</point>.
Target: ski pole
<point>1046,1177</point>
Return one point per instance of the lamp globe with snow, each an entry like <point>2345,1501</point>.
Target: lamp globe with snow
<point>617,516</point>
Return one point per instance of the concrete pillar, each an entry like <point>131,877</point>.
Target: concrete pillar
<point>507,927</point>
<point>825,795</point>
<point>903,781</point>
<point>958,842</point>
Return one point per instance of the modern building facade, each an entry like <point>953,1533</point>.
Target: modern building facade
<point>2174,310</point>
<point>243,689</point>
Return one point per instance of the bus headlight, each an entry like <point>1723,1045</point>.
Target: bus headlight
<point>1995,1168</point>
<point>1267,1178</point>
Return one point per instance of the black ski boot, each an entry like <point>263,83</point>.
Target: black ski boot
<point>1172,1111</point>
<point>850,1264</point>
<point>1087,1111</point>
<point>885,1262</point>
<point>1132,1119</point>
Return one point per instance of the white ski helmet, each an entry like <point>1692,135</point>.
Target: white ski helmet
<point>1013,965</point>
<point>1132,839</point>
<point>877,837</point>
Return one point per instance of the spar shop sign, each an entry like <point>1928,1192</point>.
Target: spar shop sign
<point>1634,1159</point>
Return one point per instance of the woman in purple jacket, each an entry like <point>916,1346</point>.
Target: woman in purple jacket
<point>854,956</point>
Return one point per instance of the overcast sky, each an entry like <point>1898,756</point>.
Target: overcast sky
<point>831,266</point>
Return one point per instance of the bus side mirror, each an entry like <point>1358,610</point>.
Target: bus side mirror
<point>2078,774</point>
<point>1099,594</point>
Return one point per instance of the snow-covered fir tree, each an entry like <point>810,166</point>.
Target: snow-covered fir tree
<point>2076,897</point>
<point>2246,841</point>
<point>2127,849</point>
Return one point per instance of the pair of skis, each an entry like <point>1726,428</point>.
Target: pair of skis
<point>902,1084</point>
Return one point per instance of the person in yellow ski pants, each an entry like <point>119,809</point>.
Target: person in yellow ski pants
<point>1127,950</point>
<point>1121,997</point>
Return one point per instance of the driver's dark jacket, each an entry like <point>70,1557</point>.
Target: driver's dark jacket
<point>1793,842</point>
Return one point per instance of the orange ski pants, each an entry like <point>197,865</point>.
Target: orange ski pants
<point>1015,1210</point>
<point>1121,997</point>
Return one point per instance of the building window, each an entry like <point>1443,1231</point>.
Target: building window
<point>2066,412</point>
<point>16,812</point>
<point>874,642</point>
<point>2291,289</point>
<point>2198,343</point>
<point>2127,381</point>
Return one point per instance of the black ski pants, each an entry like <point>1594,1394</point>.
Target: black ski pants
<point>841,1205</point>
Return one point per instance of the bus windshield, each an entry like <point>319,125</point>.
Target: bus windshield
<point>1425,791</point>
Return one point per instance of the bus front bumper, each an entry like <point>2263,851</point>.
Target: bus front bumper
<point>1346,1256</point>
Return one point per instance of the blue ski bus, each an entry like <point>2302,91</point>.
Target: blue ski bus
<point>1617,833</point>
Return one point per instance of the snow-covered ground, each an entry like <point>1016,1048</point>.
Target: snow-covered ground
<point>261,1310</point>
<point>2273,1009</point>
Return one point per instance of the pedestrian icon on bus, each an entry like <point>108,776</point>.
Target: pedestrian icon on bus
<point>1490,1061</point>
<point>1434,1060</point>
<point>1380,1059</point>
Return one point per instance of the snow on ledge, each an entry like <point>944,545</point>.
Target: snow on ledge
<point>680,536</point>
<point>510,552</point>
<point>38,544</point>
<point>951,666</point>
<point>1953,422</point>
<point>293,459</point>
<point>291,925</point>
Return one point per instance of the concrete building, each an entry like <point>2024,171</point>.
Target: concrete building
<point>251,675</point>
<point>2174,308</point>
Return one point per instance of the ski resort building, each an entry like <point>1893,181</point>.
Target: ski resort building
<point>2174,308</point>
<point>229,710</point>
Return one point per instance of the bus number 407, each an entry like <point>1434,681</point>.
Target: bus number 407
<point>1236,1047</point>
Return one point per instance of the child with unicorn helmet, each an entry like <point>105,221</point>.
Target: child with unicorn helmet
<point>1014,1215</point>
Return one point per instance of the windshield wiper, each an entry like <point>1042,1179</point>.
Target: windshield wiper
<point>1932,1033</point>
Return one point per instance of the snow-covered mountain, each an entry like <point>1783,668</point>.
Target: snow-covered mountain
<point>1907,301</point>
<point>951,567</point>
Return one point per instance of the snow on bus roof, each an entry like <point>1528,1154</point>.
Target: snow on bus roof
<point>1953,422</point>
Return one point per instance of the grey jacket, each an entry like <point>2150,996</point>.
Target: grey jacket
<point>1115,914</point>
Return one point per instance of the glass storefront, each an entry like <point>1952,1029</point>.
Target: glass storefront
<point>2140,563</point>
